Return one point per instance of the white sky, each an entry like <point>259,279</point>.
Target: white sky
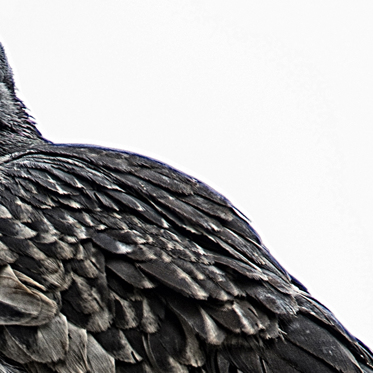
<point>269,102</point>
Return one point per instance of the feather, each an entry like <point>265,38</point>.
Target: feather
<point>39,343</point>
<point>76,356</point>
<point>129,273</point>
<point>115,342</point>
<point>21,305</point>
<point>99,360</point>
<point>198,320</point>
<point>319,342</point>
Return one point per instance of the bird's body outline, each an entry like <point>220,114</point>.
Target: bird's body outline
<point>114,262</point>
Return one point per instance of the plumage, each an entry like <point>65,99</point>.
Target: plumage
<point>113,262</point>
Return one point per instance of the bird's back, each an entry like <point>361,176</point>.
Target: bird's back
<point>113,262</point>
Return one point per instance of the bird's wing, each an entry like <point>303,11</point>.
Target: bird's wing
<point>112,262</point>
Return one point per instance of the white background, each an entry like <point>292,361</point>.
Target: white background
<point>269,102</point>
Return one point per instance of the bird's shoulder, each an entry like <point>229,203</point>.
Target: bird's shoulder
<point>135,264</point>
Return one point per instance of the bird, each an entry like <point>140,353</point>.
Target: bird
<point>113,262</point>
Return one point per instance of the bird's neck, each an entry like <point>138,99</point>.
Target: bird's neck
<point>17,129</point>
